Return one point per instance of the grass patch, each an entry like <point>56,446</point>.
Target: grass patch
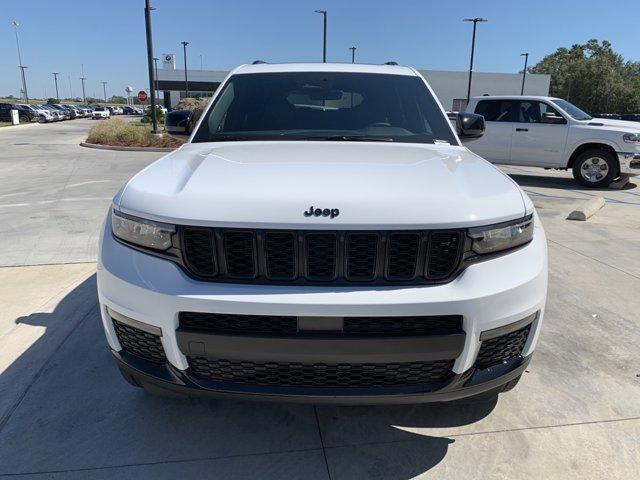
<point>5,124</point>
<point>119,132</point>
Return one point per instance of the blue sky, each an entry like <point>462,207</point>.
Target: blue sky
<point>108,36</point>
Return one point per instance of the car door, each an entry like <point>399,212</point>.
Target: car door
<point>500,116</point>
<point>540,136</point>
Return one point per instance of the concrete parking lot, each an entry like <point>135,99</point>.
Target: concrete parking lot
<point>65,412</point>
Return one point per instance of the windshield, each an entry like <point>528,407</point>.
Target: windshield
<point>99,109</point>
<point>571,109</point>
<point>325,106</point>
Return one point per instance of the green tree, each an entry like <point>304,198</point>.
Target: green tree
<point>51,101</point>
<point>594,77</point>
<point>117,99</point>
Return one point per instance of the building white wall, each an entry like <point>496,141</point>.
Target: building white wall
<point>448,85</point>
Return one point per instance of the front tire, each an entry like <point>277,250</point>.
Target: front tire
<point>595,168</point>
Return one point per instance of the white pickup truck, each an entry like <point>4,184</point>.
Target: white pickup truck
<point>552,133</point>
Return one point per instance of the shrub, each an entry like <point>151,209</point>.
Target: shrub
<point>119,132</point>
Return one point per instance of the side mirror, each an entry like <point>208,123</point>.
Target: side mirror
<point>550,117</point>
<point>469,125</point>
<point>178,124</point>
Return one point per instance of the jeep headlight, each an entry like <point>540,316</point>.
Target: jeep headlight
<point>141,232</point>
<point>631,137</point>
<point>501,236</point>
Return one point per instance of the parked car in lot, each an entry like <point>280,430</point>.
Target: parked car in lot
<point>552,133</point>
<point>100,113</point>
<point>65,113</point>
<point>25,113</point>
<point>631,117</point>
<point>323,236</point>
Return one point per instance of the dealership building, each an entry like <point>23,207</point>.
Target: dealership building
<point>450,87</point>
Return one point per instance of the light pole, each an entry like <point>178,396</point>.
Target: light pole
<point>473,47</point>
<point>70,89</point>
<point>524,72</point>
<point>55,79</point>
<point>84,94</point>
<point>324,38</point>
<point>353,54</point>
<point>155,70</point>
<point>20,66</point>
<point>152,80</point>
<point>104,91</point>
<point>186,81</point>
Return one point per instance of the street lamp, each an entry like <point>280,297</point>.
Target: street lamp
<point>84,94</point>
<point>20,66</point>
<point>186,82</point>
<point>324,41</point>
<point>55,79</point>
<point>353,54</point>
<point>473,46</point>
<point>524,72</point>
<point>104,91</point>
<point>147,24</point>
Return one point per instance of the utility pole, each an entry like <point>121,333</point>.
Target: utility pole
<point>70,89</point>
<point>200,62</point>
<point>15,25</point>
<point>324,38</point>
<point>84,94</point>
<point>55,79</point>
<point>152,79</point>
<point>473,46</point>
<point>104,91</point>
<point>353,54</point>
<point>524,72</point>
<point>186,81</point>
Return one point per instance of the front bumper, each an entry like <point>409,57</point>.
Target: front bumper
<point>629,163</point>
<point>489,296</point>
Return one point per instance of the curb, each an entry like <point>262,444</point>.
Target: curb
<point>587,209</point>
<point>126,149</point>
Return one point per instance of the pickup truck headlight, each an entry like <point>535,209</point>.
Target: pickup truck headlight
<point>502,236</point>
<point>142,232</point>
<point>631,137</point>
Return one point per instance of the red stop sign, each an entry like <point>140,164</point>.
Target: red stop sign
<point>142,96</point>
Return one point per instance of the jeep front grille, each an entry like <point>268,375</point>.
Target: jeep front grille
<point>320,257</point>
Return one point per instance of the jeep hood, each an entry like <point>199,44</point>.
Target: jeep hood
<point>374,185</point>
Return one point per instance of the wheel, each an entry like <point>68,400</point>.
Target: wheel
<point>23,119</point>
<point>595,168</point>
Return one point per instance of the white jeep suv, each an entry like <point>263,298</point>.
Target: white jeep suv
<point>552,133</point>
<point>323,236</point>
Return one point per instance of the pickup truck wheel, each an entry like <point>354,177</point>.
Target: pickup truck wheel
<point>595,168</point>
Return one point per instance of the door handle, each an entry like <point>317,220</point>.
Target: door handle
<point>522,129</point>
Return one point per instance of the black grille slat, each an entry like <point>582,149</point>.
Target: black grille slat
<point>250,325</point>
<point>239,252</point>
<point>403,326</point>
<point>344,375</point>
<point>200,251</point>
<point>402,261</point>
<point>280,255</point>
<point>442,258</point>
<point>322,255</point>
<point>319,257</point>
<point>139,343</point>
<point>503,348</point>
<point>362,254</point>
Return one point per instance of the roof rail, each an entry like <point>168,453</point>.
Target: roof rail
<point>258,62</point>
<point>391,63</point>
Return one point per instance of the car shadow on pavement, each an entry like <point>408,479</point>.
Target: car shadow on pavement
<point>562,183</point>
<point>67,411</point>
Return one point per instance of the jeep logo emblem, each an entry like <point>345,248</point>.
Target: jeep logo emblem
<point>320,212</point>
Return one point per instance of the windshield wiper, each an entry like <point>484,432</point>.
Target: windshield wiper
<point>348,138</point>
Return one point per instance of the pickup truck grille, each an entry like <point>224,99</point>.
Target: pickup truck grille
<point>321,257</point>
